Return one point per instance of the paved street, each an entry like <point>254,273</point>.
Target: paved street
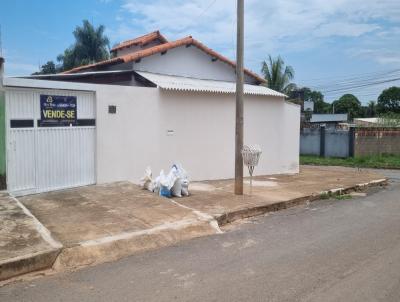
<point>330,250</point>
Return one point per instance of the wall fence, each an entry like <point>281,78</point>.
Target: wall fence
<point>359,141</point>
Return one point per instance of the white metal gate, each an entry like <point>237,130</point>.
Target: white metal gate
<point>42,159</point>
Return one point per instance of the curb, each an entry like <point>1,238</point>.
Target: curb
<point>230,217</point>
<point>28,263</point>
<point>107,249</point>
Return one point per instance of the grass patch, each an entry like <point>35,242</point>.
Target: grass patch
<point>343,197</point>
<point>376,161</point>
<point>325,196</point>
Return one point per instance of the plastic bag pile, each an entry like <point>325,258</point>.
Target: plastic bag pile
<point>173,184</point>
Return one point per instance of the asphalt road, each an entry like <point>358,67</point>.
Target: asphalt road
<point>330,250</point>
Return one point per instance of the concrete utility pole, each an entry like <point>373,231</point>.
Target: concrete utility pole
<point>239,100</point>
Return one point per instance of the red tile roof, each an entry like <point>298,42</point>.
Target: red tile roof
<point>142,40</point>
<point>162,48</point>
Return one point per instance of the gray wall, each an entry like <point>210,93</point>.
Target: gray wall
<point>336,142</point>
<point>310,141</point>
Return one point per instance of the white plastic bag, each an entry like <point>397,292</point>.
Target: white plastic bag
<point>156,185</point>
<point>176,189</point>
<point>146,180</point>
<point>183,176</point>
<point>167,182</point>
<point>185,187</point>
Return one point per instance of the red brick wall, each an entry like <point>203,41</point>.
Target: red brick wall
<point>376,141</point>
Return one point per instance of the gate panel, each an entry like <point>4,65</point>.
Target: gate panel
<point>65,157</point>
<point>21,160</point>
<point>42,159</point>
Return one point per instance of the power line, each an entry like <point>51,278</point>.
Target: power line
<point>355,75</point>
<point>206,9</point>
<point>362,85</point>
<point>347,82</point>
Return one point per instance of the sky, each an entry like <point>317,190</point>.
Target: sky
<point>335,46</point>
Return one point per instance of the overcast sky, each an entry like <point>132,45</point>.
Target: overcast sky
<point>336,46</point>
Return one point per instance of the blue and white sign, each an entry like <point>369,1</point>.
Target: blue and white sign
<point>56,110</point>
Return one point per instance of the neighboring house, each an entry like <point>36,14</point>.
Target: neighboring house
<point>367,121</point>
<point>155,103</point>
<point>329,120</point>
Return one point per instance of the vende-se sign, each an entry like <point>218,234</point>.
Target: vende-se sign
<point>56,110</point>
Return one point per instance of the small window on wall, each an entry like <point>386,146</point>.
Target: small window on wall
<point>112,109</point>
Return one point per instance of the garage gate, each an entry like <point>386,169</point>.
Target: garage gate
<point>47,150</point>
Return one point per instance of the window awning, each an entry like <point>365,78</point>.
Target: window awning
<point>170,82</point>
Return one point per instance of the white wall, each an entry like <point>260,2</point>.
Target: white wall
<point>126,141</point>
<point>203,140</point>
<point>189,62</point>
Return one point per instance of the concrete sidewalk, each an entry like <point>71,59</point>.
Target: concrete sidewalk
<point>272,193</point>
<point>102,223</point>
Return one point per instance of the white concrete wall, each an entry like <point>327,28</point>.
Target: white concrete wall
<point>189,62</point>
<point>203,140</point>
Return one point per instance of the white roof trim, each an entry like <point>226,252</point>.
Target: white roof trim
<point>170,82</point>
<point>73,75</point>
<point>34,83</point>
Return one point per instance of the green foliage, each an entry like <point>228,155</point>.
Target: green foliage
<point>349,104</point>
<point>325,195</point>
<point>48,68</point>
<point>370,110</point>
<point>318,98</point>
<point>278,75</point>
<point>389,119</point>
<point>343,196</point>
<point>375,161</point>
<point>91,45</point>
<point>306,94</point>
<point>389,100</point>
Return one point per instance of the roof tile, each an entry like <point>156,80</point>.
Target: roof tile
<point>142,40</point>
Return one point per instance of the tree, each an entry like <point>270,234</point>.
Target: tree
<point>371,109</point>
<point>349,104</point>
<point>389,100</point>
<point>91,45</point>
<point>48,68</point>
<point>306,94</point>
<point>278,75</point>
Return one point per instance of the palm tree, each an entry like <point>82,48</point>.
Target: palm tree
<point>278,75</point>
<point>91,45</point>
<point>371,109</point>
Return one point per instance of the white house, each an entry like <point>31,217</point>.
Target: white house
<point>153,104</point>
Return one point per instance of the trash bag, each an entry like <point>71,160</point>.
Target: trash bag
<point>156,185</point>
<point>184,180</point>
<point>146,180</point>
<point>176,189</point>
<point>185,187</point>
<point>167,182</point>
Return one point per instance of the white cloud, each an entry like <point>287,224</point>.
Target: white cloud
<point>270,26</point>
<point>344,29</point>
<point>382,55</point>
